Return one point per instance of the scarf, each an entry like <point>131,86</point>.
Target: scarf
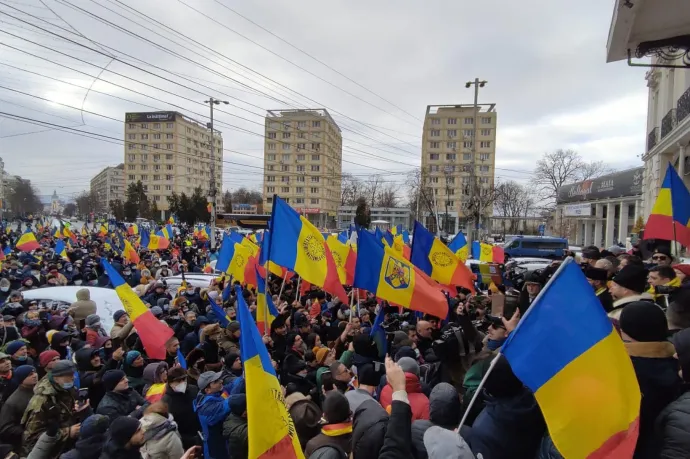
<point>335,430</point>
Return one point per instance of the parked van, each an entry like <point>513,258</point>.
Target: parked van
<point>536,246</point>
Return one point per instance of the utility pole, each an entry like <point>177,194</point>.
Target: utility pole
<point>213,191</point>
<point>473,173</point>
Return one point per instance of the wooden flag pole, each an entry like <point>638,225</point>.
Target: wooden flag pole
<point>282,285</point>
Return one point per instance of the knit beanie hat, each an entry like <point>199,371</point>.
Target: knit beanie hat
<point>93,320</point>
<point>14,346</point>
<point>684,268</point>
<point>49,335</point>
<point>321,354</point>
<point>131,356</point>
<point>122,429</point>
<point>94,425</point>
<point>22,372</point>
<point>502,382</point>
<point>63,368</point>
<point>445,406</point>
<point>405,351</point>
<point>409,365</point>
<point>118,314</point>
<point>644,321</point>
<point>112,378</point>
<point>632,277</point>
<point>336,408</point>
<point>157,311</point>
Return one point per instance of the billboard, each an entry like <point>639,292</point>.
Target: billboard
<point>249,209</point>
<point>307,210</point>
<point>142,117</point>
<point>616,185</point>
<point>578,210</point>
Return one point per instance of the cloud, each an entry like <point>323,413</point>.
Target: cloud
<point>544,63</point>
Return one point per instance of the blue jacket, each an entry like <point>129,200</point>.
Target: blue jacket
<point>212,411</point>
<point>508,428</point>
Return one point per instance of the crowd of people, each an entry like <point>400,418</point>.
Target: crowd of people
<point>70,388</point>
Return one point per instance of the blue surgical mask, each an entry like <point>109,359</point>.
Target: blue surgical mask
<point>68,385</point>
<point>21,358</point>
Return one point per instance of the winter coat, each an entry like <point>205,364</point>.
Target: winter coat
<point>87,448</point>
<point>507,428</point>
<point>657,375</point>
<point>396,443</point>
<point>236,431</point>
<point>368,430</point>
<point>547,450</point>
<point>212,410</point>
<point>444,411</point>
<point>672,437</point>
<point>112,450</point>
<point>44,447</point>
<point>47,404</point>
<point>181,408</point>
<point>418,401</point>
<point>342,441</point>
<point>83,307</point>
<point>162,441</point>
<point>11,416</point>
<point>125,403</point>
<point>122,331</point>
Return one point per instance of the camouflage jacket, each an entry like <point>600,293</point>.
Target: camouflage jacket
<point>49,404</point>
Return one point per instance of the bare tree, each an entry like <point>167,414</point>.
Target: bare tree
<point>351,189</point>
<point>418,191</point>
<point>387,196</point>
<point>513,201</point>
<point>561,167</point>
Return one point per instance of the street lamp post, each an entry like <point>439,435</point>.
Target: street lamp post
<point>213,192</point>
<point>477,83</point>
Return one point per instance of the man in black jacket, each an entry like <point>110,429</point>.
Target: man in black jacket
<point>597,278</point>
<point>120,399</point>
<point>180,396</point>
<point>13,409</point>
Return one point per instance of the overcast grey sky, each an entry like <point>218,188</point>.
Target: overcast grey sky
<point>544,61</point>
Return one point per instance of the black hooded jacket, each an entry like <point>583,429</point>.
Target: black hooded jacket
<point>368,430</point>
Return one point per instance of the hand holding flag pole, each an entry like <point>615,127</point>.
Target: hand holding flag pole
<point>498,354</point>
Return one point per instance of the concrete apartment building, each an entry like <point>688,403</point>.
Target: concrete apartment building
<point>303,153</point>
<point>170,152</point>
<point>109,185</point>
<point>448,146</point>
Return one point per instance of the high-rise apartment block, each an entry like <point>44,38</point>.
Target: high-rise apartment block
<point>170,152</point>
<point>109,185</point>
<point>303,153</point>
<point>455,138</point>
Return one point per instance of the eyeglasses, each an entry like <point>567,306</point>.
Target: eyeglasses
<point>659,257</point>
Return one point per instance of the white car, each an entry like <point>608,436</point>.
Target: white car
<point>106,299</point>
<point>200,280</point>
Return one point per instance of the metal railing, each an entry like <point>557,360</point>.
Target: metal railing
<point>683,106</point>
<point>652,138</point>
<point>668,122</point>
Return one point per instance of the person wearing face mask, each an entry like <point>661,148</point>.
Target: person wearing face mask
<point>76,279</point>
<point>19,354</point>
<point>68,271</point>
<point>35,273</point>
<point>25,378</point>
<point>5,287</point>
<point>54,400</point>
<point>131,276</point>
<point>193,297</point>
<point>188,325</point>
<point>60,342</point>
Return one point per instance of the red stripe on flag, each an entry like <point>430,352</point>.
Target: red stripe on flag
<point>153,335</point>
<point>619,445</point>
<point>281,450</point>
<point>427,296</point>
<point>332,283</point>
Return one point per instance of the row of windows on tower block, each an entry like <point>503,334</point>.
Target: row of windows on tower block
<point>455,156</point>
<point>468,120</point>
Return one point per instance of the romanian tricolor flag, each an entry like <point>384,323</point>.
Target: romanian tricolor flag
<point>129,253</point>
<point>345,259</point>
<point>381,271</point>
<point>167,232</point>
<point>283,273</point>
<point>133,230</point>
<point>153,241</point>
<point>67,232</point>
<point>265,309</point>
<point>61,249</point>
<point>271,431</point>
<point>487,252</point>
<point>245,242</point>
<point>670,217</point>
<point>299,246</point>
<point>172,220</point>
<point>103,231</point>
<point>236,259</point>
<point>459,247</point>
<point>152,333</point>
<point>57,234</point>
<point>155,392</point>
<point>27,242</point>
<point>582,357</point>
<point>436,260</point>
